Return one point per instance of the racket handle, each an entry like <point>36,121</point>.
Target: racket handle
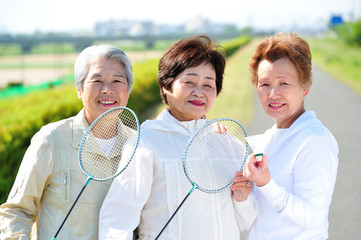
<point>180,205</point>
<point>72,206</point>
<point>258,158</point>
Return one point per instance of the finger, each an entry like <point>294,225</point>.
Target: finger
<point>239,179</point>
<point>238,173</point>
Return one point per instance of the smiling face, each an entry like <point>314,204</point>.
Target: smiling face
<point>193,93</point>
<point>280,91</point>
<point>105,87</point>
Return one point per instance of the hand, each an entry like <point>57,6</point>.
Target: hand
<point>219,128</point>
<point>257,171</point>
<point>241,187</point>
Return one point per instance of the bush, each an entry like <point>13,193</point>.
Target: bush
<point>231,46</point>
<point>350,32</point>
<point>25,117</point>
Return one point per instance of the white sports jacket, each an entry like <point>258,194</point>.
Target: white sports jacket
<point>147,193</point>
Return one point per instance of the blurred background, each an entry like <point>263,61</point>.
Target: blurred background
<point>40,40</point>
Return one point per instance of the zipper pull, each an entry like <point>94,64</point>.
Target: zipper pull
<point>65,179</point>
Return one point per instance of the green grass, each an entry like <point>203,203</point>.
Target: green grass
<point>54,65</point>
<point>236,98</point>
<point>338,59</point>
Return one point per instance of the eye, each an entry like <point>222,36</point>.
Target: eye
<point>188,82</point>
<point>209,86</point>
<point>263,84</point>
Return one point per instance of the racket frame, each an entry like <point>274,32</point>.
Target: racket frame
<point>194,185</point>
<point>192,139</point>
<point>91,127</point>
<point>89,177</point>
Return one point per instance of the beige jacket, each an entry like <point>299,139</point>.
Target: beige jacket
<point>48,181</point>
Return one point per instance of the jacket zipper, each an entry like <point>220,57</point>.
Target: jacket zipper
<point>65,182</point>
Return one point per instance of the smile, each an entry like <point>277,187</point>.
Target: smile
<point>276,105</point>
<point>106,102</point>
<point>197,103</point>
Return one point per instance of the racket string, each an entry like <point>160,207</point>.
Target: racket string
<point>102,151</point>
<point>214,155</point>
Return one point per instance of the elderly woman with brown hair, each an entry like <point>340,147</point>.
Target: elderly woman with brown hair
<point>295,179</point>
<point>146,195</point>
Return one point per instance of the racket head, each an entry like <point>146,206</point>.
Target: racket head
<point>109,144</point>
<point>214,153</point>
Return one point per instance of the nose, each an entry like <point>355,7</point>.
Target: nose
<point>197,91</point>
<point>107,88</point>
<point>273,93</point>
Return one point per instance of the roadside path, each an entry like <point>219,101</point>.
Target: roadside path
<point>339,108</point>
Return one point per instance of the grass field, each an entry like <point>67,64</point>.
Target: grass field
<point>338,59</point>
<point>236,98</point>
<point>32,69</point>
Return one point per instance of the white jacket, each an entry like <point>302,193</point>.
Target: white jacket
<point>147,193</point>
<point>303,164</point>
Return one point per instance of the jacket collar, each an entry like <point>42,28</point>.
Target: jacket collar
<point>306,120</point>
<point>80,125</point>
<point>166,122</point>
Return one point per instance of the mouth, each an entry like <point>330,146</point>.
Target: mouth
<point>196,103</point>
<point>276,106</point>
<point>107,102</point>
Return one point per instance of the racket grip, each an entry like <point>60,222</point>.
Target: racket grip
<point>258,158</point>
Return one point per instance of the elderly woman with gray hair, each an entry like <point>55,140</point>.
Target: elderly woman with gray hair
<point>49,177</point>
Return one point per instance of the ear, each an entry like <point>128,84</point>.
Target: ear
<point>306,91</point>
<point>80,94</point>
<point>165,91</point>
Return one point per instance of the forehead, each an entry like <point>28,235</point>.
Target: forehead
<point>105,63</point>
<point>204,69</point>
<point>281,67</point>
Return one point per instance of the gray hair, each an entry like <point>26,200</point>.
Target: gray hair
<point>81,67</point>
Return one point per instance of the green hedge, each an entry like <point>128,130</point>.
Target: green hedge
<point>350,32</point>
<point>231,46</point>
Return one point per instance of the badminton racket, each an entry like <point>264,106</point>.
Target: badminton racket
<point>212,155</point>
<point>107,147</point>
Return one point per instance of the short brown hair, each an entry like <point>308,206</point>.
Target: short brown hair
<point>281,45</point>
<point>187,53</point>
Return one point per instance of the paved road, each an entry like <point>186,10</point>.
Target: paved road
<point>339,108</point>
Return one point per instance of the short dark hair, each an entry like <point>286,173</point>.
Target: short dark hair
<point>187,53</point>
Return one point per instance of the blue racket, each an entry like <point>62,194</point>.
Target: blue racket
<point>212,155</point>
<point>107,147</point>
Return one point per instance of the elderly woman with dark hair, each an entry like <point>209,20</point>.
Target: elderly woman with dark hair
<point>146,194</point>
<point>295,179</point>
<point>49,177</point>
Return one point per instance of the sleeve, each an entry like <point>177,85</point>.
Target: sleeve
<point>245,212</point>
<point>315,172</point>
<point>121,209</point>
<point>18,213</point>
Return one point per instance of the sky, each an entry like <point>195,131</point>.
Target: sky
<point>27,16</point>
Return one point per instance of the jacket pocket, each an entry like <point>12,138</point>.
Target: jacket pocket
<point>76,183</point>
